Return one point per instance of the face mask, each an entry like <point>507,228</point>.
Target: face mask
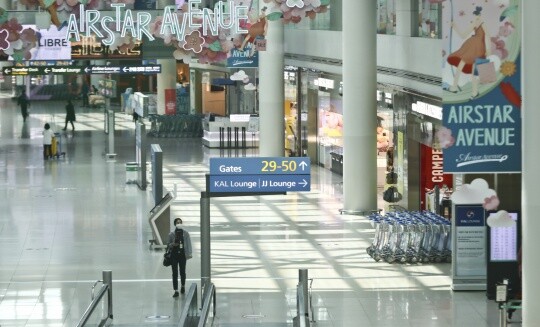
<point>178,226</point>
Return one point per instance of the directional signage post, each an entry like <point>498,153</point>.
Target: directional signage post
<point>247,176</point>
<point>260,174</point>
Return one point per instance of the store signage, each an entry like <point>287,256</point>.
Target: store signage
<point>260,174</point>
<point>469,251</point>
<point>92,48</point>
<point>428,110</point>
<point>482,103</point>
<point>432,172</point>
<point>137,24</point>
<point>323,82</point>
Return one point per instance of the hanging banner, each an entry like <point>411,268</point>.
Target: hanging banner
<point>248,57</point>
<point>481,82</point>
<point>170,102</point>
<point>431,172</point>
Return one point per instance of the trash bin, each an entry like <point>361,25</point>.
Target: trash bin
<point>131,172</point>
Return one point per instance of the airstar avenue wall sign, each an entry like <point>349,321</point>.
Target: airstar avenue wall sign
<point>137,24</point>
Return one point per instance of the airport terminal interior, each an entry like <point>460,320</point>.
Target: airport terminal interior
<point>407,216</point>
<point>66,220</point>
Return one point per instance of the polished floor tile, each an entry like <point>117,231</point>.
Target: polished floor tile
<point>64,221</point>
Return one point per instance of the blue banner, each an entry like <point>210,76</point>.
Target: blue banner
<point>481,82</point>
<point>248,57</point>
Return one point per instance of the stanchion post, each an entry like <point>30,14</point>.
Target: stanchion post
<point>107,280</point>
<point>303,280</point>
<point>205,242</point>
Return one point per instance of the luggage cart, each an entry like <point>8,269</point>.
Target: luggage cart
<point>56,146</point>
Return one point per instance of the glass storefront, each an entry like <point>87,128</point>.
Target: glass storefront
<point>386,17</point>
<point>429,19</point>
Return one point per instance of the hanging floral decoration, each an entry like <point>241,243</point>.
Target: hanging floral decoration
<point>206,48</point>
<point>15,41</point>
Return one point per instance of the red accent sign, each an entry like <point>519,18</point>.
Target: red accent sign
<point>431,172</point>
<point>170,102</point>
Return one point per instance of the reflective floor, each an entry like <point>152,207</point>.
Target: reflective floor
<point>64,221</point>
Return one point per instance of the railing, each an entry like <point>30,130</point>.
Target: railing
<point>191,317</point>
<point>209,302</point>
<point>106,288</point>
<point>190,312</point>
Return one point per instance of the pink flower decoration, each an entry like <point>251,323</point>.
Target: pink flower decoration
<point>4,43</point>
<point>194,42</point>
<point>498,47</point>
<point>444,135</point>
<point>506,29</point>
<point>491,203</point>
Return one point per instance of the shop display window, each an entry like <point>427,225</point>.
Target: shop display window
<point>429,19</point>
<point>386,17</point>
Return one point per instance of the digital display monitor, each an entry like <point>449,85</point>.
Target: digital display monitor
<point>504,241</point>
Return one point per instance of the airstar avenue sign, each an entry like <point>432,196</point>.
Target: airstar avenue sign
<point>137,24</point>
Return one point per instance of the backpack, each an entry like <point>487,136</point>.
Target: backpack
<point>392,195</point>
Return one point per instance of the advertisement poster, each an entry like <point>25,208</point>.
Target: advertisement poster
<point>470,248</point>
<point>481,83</point>
<point>246,57</point>
<point>170,102</point>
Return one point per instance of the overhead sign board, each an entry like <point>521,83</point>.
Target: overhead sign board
<point>62,70</point>
<point>146,69</point>
<point>260,166</point>
<point>259,183</point>
<point>260,174</point>
<point>40,70</point>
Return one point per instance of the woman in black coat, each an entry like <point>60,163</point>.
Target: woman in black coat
<point>70,115</point>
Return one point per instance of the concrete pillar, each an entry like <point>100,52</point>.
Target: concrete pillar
<point>359,106</point>
<point>530,172</point>
<point>271,93</point>
<point>165,80</point>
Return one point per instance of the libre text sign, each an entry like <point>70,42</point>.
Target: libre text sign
<point>260,174</point>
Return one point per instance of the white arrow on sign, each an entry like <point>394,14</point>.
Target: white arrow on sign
<point>46,70</point>
<point>125,69</point>
<point>86,70</point>
<point>7,71</point>
<point>303,165</point>
<point>304,183</point>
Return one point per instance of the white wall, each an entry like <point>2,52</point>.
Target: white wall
<point>419,55</point>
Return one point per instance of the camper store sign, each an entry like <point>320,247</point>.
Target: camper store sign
<point>137,23</point>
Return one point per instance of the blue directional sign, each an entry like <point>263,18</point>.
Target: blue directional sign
<point>260,165</point>
<point>260,183</point>
<point>260,174</point>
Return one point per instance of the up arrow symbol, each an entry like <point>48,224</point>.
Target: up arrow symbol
<point>303,165</point>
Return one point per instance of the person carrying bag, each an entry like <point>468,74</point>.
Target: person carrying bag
<point>180,250</point>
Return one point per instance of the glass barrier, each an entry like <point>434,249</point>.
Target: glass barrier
<point>386,17</point>
<point>429,19</point>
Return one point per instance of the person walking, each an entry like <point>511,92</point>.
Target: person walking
<point>48,135</point>
<point>22,101</point>
<point>70,115</point>
<point>85,89</point>
<point>181,250</point>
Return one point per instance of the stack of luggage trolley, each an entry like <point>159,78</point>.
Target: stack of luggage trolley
<point>411,237</point>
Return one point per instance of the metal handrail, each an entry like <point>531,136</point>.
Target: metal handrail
<point>190,312</point>
<point>105,289</point>
<point>208,300</point>
<point>93,305</point>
